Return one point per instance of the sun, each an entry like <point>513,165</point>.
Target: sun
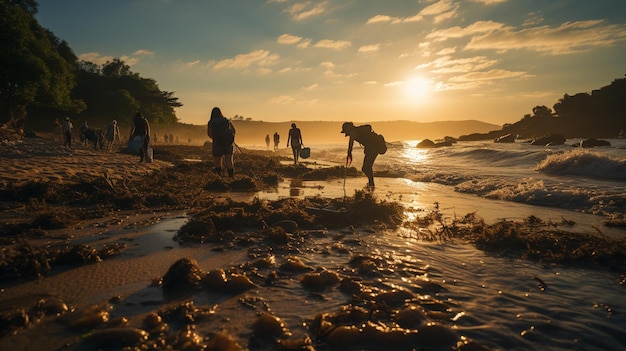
<point>417,87</point>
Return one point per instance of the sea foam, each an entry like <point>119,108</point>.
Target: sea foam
<point>580,162</point>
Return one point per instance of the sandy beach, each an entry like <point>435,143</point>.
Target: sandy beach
<point>100,251</point>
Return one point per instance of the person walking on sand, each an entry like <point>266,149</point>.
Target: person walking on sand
<point>276,140</point>
<point>67,127</point>
<point>222,132</point>
<point>373,144</point>
<point>112,134</point>
<point>140,127</point>
<point>267,141</point>
<point>295,136</point>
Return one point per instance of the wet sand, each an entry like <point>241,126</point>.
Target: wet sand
<point>395,272</point>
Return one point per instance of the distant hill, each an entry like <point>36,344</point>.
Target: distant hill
<point>254,132</point>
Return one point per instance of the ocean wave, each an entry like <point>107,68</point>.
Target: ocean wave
<point>584,163</point>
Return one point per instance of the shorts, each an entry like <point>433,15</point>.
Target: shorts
<point>219,150</point>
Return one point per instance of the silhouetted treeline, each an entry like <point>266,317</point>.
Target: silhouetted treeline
<point>42,80</point>
<point>601,114</point>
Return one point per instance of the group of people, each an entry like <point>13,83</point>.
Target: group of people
<point>140,130</point>
<point>109,136</point>
<point>294,136</point>
<point>222,132</point>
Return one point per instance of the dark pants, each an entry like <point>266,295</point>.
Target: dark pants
<point>368,164</point>
<point>68,139</point>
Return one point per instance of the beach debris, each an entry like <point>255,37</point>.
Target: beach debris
<point>88,317</point>
<point>222,341</point>
<point>182,277</point>
<point>114,337</point>
<point>319,281</point>
<point>267,329</point>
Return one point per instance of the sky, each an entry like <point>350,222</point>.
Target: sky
<point>357,60</point>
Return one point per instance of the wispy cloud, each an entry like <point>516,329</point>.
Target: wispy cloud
<point>332,44</point>
<point>304,10</point>
<point>440,11</point>
<point>143,53</point>
<point>447,64</point>
<point>99,59</point>
<point>258,58</point>
<point>567,38</point>
<point>493,74</point>
<point>490,2</point>
<point>369,48</point>
<point>289,39</point>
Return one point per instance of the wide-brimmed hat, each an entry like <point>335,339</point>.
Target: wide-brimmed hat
<point>345,128</point>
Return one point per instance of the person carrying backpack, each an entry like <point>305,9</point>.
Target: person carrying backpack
<point>222,131</point>
<point>373,144</point>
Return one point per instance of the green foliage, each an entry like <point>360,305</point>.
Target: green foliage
<point>34,66</point>
<point>41,77</point>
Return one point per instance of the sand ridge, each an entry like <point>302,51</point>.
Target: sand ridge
<point>42,159</point>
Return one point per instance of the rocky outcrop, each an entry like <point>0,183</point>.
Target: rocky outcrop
<point>506,138</point>
<point>427,143</point>
<point>592,143</point>
<point>551,140</point>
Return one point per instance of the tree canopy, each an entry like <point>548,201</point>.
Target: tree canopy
<point>41,79</point>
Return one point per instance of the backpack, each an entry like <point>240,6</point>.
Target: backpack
<point>223,134</point>
<point>379,143</point>
<point>373,139</point>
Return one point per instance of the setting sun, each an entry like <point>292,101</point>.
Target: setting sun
<point>417,87</point>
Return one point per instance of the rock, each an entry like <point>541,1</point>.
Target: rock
<point>552,140</point>
<point>506,138</point>
<point>592,143</point>
<point>183,275</point>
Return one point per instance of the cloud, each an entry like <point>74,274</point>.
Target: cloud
<point>143,53</point>
<point>490,2</point>
<point>95,57</point>
<point>369,48</point>
<point>447,64</point>
<point>332,44</point>
<point>493,74</point>
<point>569,37</point>
<point>304,10</point>
<point>288,39</point>
<point>310,87</point>
<point>459,32</point>
<point>440,11</point>
<point>258,58</point>
<point>282,99</point>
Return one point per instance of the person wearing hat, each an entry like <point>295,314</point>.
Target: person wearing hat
<point>112,133</point>
<point>67,127</point>
<point>366,137</point>
<point>295,136</point>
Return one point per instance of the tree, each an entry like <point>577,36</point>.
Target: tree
<point>33,67</point>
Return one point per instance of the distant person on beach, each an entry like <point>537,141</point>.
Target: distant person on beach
<point>267,141</point>
<point>83,128</point>
<point>67,127</point>
<point>141,127</point>
<point>373,144</point>
<point>295,136</point>
<point>222,132</point>
<point>112,134</point>
<point>276,140</point>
